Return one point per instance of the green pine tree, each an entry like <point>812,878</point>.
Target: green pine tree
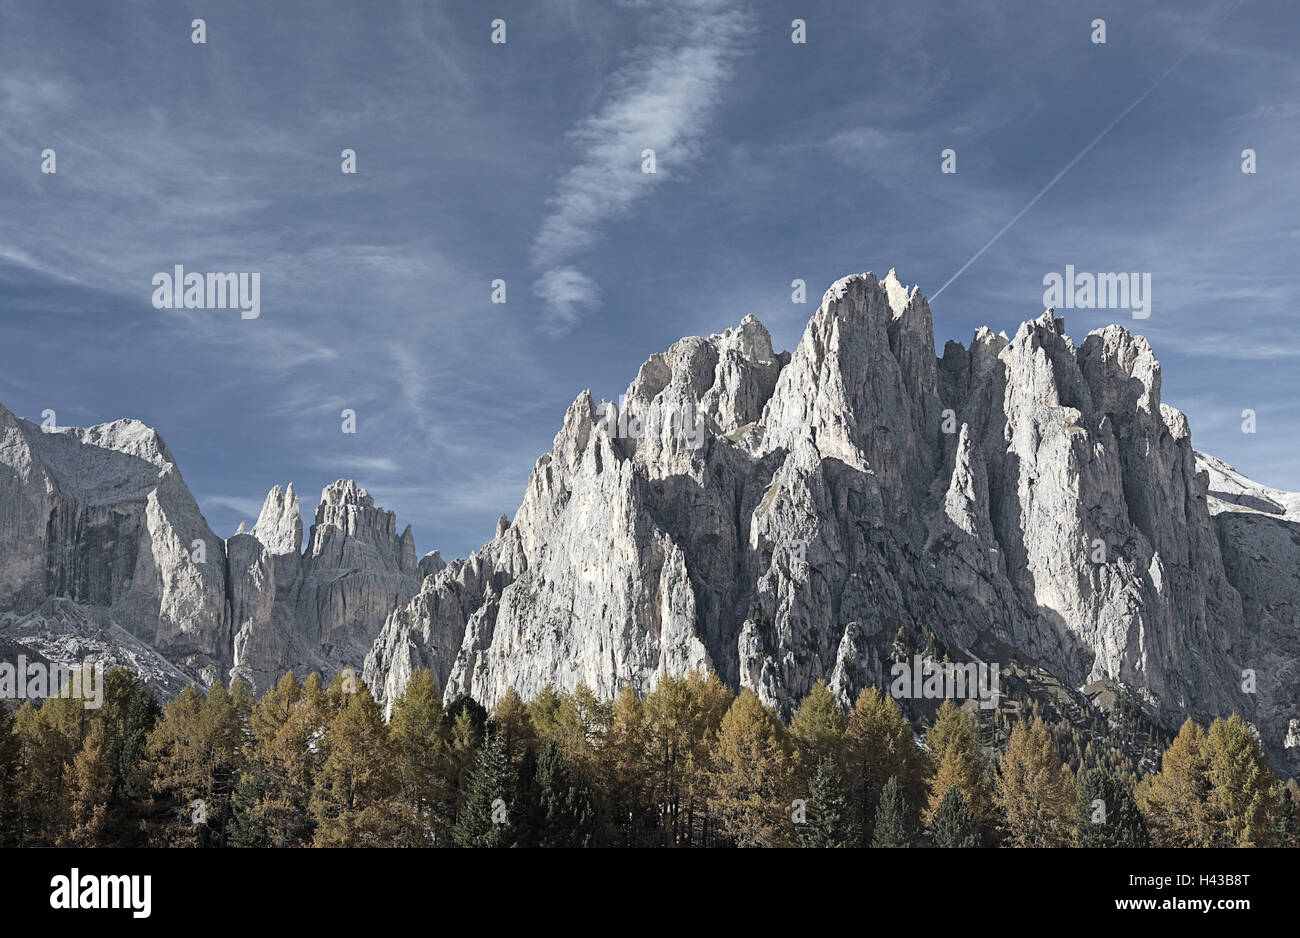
<point>248,827</point>
<point>484,818</point>
<point>1107,813</point>
<point>952,824</point>
<point>830,821</point>
<point>889,830</point>
<point>565,812</point>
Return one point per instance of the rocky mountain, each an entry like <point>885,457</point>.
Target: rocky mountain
<point>104,554</point>
<point>779,518</point>
<point>321,609</point>
<point>783,519</point>
<point>101,518</point>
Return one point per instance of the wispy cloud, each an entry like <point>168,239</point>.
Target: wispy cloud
<point>566,291</point>
<point>356,464</point>
<point>250,507</point>
<point>661,99</point>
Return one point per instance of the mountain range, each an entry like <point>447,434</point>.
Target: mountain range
<point>778,518</point>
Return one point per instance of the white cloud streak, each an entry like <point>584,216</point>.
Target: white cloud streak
<point>662,99</point>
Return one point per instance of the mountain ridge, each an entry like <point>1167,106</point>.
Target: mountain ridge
<point>1021,492</point>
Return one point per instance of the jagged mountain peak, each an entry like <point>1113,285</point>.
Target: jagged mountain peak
<point>828,504</point>
<point>780,518</point>
<point>279,525</point>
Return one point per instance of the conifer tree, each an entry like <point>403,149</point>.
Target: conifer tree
<point>1244,795</point>
<point>464,741</point>
<point>184,763</point>
<point>248,827</point>
<point>818,729</point>
<point>10,769</point>
<point>752,776</point>
<point>129,715</point>
<point>287,747</point>
<point>353,801</point>
<point>881,744</point>
<point>225,716</point>
<point>1034,791</point>
<point>952,824</point>
<point>954,749</point>
<point>485,816</point>
<point>41,796</point>
<point>565,809</point>
<point>90,789</point>
<point>625,773</point>
<point>577,725</point>
<point>422,755</point>
<point>1289,820</point>
<point>829,820</point>
<point>543,712</point>
<point>1107,815</point>
<point>1175,799</point>
<point>682,716</point>
<point>889,829</point>
<point>511,722</point>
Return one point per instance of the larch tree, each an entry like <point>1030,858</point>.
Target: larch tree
<point>10,771</point>
<point>192,766</point>
<point>1175,799</point>
<point>880,744</point>
<point>422,755</point>
<point>818,728</point>
<point>958,760</point>
<point>625,775</point>
<point>510,720</point>
<point>682,716</point>
<point>1035,791</point>
<point>90,790</point>
<point>353,800</point>
<point>1245,796</point>
<point>752,775</point>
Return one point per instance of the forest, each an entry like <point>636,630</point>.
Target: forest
<point>691,764</point>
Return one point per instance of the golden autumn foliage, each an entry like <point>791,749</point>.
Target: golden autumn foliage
<point>1034,791</point>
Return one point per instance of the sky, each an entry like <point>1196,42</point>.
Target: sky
<point>523,161</point>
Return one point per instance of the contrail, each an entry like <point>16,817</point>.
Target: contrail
<point>1084,152</point>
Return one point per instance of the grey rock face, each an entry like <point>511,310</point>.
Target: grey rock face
<point>68,632</point>
<point>104,553</point>
<point>101,516</point>
<point>322,609</point>
<point>779,518</point>
<point>1021,493</point>
<point>1259,530</point>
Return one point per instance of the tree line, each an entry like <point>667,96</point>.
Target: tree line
<point>689,764</point>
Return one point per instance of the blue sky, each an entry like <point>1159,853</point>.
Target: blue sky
<point>522,161</point>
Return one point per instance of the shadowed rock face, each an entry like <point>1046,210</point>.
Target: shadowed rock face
<point>1021,492</point>
<point>101,517</point>
<point>779,518</point>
